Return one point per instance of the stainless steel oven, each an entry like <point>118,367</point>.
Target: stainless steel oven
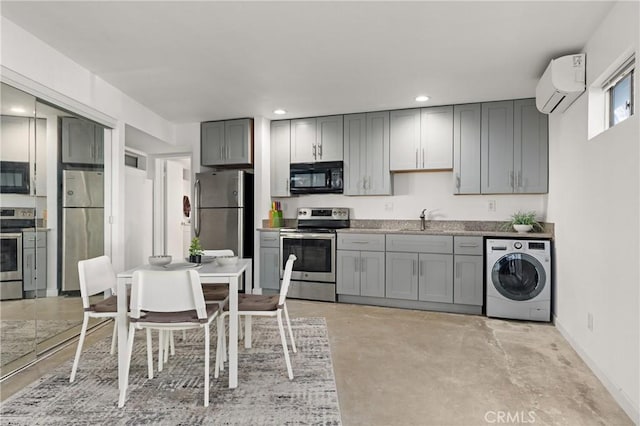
<point>314,244</point>
<point>12,222</point>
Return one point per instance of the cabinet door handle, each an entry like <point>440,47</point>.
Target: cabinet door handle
<point>423,158</point>
<point>220,152</point>
<point>416,158</point>
<point>421,268</point>
<point>320,151</point>
<point>511,183</point>
<point>228,152</point>
<point>413,264</point>
<point>458,182</point>
<point>520,179</point>
<point>358,242</point>
<point>468,245</point>
<point>287,184</point>
<point>314,152</point>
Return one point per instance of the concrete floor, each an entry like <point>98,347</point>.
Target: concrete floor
<point>403,367</point>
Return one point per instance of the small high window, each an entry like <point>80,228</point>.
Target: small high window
<point>619,91</point>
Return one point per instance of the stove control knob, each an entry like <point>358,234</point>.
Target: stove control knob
<point>517,245</point>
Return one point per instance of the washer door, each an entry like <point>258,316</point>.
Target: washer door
<point>518,276</point>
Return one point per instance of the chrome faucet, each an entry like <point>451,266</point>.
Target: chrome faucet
<point>423,219</point>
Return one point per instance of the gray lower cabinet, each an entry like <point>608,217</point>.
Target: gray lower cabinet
<point>366,154</point>
<point>360,265</point>
<point>82,141</point>
<point>435,283</point>
<point>34,262</point>
<point>468,279</point>
<point>269,260</point>
<point>420,267</point>
<point>280,157</point>
<point>227,142</point>
<point>360,273</point>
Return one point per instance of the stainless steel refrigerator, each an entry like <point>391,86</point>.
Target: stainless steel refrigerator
<point>82,222</point>
<point>224,211</point>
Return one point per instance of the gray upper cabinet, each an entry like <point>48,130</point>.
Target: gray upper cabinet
<point>496,154</point>
<point>82,141</point>
<point>366,154</point>
<point>531,148</point>
<point>317,139</point>
<point>422,139</point>
<point>280,158</point>
<point>16,138</point>
<point>303,140</point>
<point>226,142</point>
<point>436,137</point>
<point>405,139</point>
<point>466,148</point>
<point>329,138</point>
<point>514,154</point>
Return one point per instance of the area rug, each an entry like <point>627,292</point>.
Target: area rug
<point>17,337</point>
<point>264,396</point>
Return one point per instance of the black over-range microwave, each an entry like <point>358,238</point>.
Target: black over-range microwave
<point>316,178</point>
<point>14,177</point>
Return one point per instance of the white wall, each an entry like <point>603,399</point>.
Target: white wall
<point>138,227</point>
<point>594,202</point>
<point>30,64</point>
<point>416,191</point>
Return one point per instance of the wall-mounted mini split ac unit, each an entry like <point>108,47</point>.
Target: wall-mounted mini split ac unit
<point>561,84</point>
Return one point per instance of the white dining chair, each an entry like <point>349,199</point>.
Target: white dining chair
<point>96,276</point>
<point>167,301</point>
<point>261,305</point>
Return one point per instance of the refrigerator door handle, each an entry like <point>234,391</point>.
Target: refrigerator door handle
<point>196,207</point>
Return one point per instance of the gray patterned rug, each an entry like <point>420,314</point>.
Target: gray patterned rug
<point>264,395</point>
<point>18,337</point>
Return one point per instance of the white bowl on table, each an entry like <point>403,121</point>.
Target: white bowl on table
<point>160,260</point>
<point>226,260</point>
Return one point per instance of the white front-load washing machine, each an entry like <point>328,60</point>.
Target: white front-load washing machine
<point>518,279</point>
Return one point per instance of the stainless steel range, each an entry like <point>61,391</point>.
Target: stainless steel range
<point>12,222</point>
<point>314,244</point>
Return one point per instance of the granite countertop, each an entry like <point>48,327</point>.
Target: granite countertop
<point>435,227</point>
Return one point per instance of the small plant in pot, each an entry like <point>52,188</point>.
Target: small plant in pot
<point>195,251</point>
<point>524,222</point>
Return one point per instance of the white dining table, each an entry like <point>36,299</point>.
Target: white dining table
<point>210,273</point>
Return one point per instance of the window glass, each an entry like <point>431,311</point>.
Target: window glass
<point>621,100</point>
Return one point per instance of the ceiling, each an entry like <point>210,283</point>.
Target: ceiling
<point>198,61</point>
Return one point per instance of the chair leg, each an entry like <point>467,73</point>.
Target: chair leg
<point>220,337</point>
<point>172,344</point>
<point>160,349</point>
<point>206,365</point>
<point>83,333</point>
<point>132,333</point>
<point>113,338</point>
<point>283,338</point>
<point>149,354</point>
<point>286,315</point>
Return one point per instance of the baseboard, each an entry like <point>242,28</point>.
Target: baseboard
<point>621,398</point>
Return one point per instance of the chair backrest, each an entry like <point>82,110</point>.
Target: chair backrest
<point>96,276</point>
<point>286,279</point>
<point>167,291</point>
<point>216,253</point>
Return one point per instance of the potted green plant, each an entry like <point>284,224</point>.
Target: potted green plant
<point>524,222</point>
<point>195,251</point>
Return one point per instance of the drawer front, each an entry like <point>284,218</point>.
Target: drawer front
<point>467,245</point>
<point>269,239</point>
<point>34,239</point>
<point>420,243</point>
<point>367,242</point>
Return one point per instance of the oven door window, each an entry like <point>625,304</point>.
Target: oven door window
<point>9,255</point>
<point>314,255</point>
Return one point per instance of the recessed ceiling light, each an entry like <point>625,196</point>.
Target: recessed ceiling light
<point>18,110</point>
<point>279,111</point>
<point>422,98</point>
